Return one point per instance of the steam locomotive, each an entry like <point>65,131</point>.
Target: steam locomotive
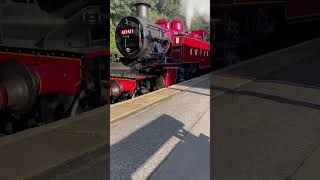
<point>155,55</point>
<point>53,60</point>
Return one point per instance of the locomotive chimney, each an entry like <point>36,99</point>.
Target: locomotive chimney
<point>142,9</point>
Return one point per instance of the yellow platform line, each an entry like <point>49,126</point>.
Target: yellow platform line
<point>270,63</point>
<point>123,109</point>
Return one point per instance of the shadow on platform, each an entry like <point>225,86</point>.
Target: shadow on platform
<point>131,153</point>
<point>189,160</point>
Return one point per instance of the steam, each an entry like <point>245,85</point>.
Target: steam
<point>190,8</point>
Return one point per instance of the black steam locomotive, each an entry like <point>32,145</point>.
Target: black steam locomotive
<point>138,39</point>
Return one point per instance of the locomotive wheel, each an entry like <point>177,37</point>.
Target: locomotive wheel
<point>31,123</point>
<point>8,127</point>
<point>76,107</point>
<point>160,83</point>
<point>135,94</point>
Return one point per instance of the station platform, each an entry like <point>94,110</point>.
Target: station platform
<point>169,139</point>
<point>266,116</point>
<point>37,152</point>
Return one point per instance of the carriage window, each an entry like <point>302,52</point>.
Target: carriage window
<point>191,51</point>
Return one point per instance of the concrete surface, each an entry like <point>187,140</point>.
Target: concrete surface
<point>125,108</point>
<point>309,168</point>
<point>141,142</point>
<point>35,151</point>
<point>247,71</point>
<point>267,126</point>
<point>94,167</point>
<point>191,157</point>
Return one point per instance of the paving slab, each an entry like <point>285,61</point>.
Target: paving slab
<point>309,168</point>
<point>245,72</point>
<point>35,151</point>
<point>191,157</point>
<point>141,141</point>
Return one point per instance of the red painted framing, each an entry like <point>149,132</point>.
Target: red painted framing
<point>190,50</point>
<point>57,74</point>
<point>294,8</point>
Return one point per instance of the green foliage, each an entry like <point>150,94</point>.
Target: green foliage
<point>171,8</point>
<point>198,22</point>
<point>120,8</point>
<point>113,46</point>
<point>154,15</point>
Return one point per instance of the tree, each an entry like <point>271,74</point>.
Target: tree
<point>113,46</point>
<point>199,22</point>
<point>119,9</point>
